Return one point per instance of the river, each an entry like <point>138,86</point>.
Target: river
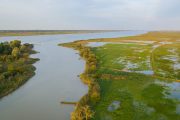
<point>56,78</point>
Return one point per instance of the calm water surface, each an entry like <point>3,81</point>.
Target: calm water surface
<point>55,80</point>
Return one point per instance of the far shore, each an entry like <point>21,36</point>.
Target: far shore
<point>5,33</point>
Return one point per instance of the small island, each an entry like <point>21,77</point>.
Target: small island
<point>16,65</point>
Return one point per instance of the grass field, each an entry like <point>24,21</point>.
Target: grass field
<point>133,85</point>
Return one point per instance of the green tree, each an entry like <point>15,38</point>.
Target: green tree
<point>15,52</point>
<point>1,67</point>
<point>88,113</point>
<point>15,43</point>
<point>23,48</point>
<point>1,48</point>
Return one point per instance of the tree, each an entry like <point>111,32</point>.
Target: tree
<point>1,48</point>
<point>23,48</point>
<point>82,113</point>
<point>15,43</point>
<point>87,111</point>
<point>6,48</point>
<point>1,67</point>
<point>15,52</point>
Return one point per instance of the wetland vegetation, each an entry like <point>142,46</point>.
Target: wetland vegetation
<point>15,65</point>
<point>83,107</point>
<point>130,78</point>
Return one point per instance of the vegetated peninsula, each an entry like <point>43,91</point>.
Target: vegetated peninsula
<point>15,65</point>
<point>130,78</point>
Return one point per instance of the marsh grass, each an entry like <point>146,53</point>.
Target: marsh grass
<point>116,74</point>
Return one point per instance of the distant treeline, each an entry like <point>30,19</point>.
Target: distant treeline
<point>56,30</point>
<point>46,32</point>
<point>15,65</point>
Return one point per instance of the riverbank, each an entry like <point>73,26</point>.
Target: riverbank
<point>135,77</point>
<point>16,65</point>
<point>83,107</point>
<point>42,94</point>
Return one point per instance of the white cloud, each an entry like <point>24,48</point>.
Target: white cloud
<point>89,14</point>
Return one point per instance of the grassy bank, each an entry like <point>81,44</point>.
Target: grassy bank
<point>150,36</point>
<point>135,77</point>
<point>15,65</point>
<point>83,107</point>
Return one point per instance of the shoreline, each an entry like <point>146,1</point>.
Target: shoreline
<point>87,77</point>
<point>22,78</point>
<point>15,33</point>
<point>17,87</point>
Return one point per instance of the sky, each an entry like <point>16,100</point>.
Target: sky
<point>90,14</point>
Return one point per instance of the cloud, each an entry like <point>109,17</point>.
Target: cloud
<point>89,14</point>
<point>169,8</point>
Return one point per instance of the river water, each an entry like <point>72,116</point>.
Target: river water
<point>55,80</point>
